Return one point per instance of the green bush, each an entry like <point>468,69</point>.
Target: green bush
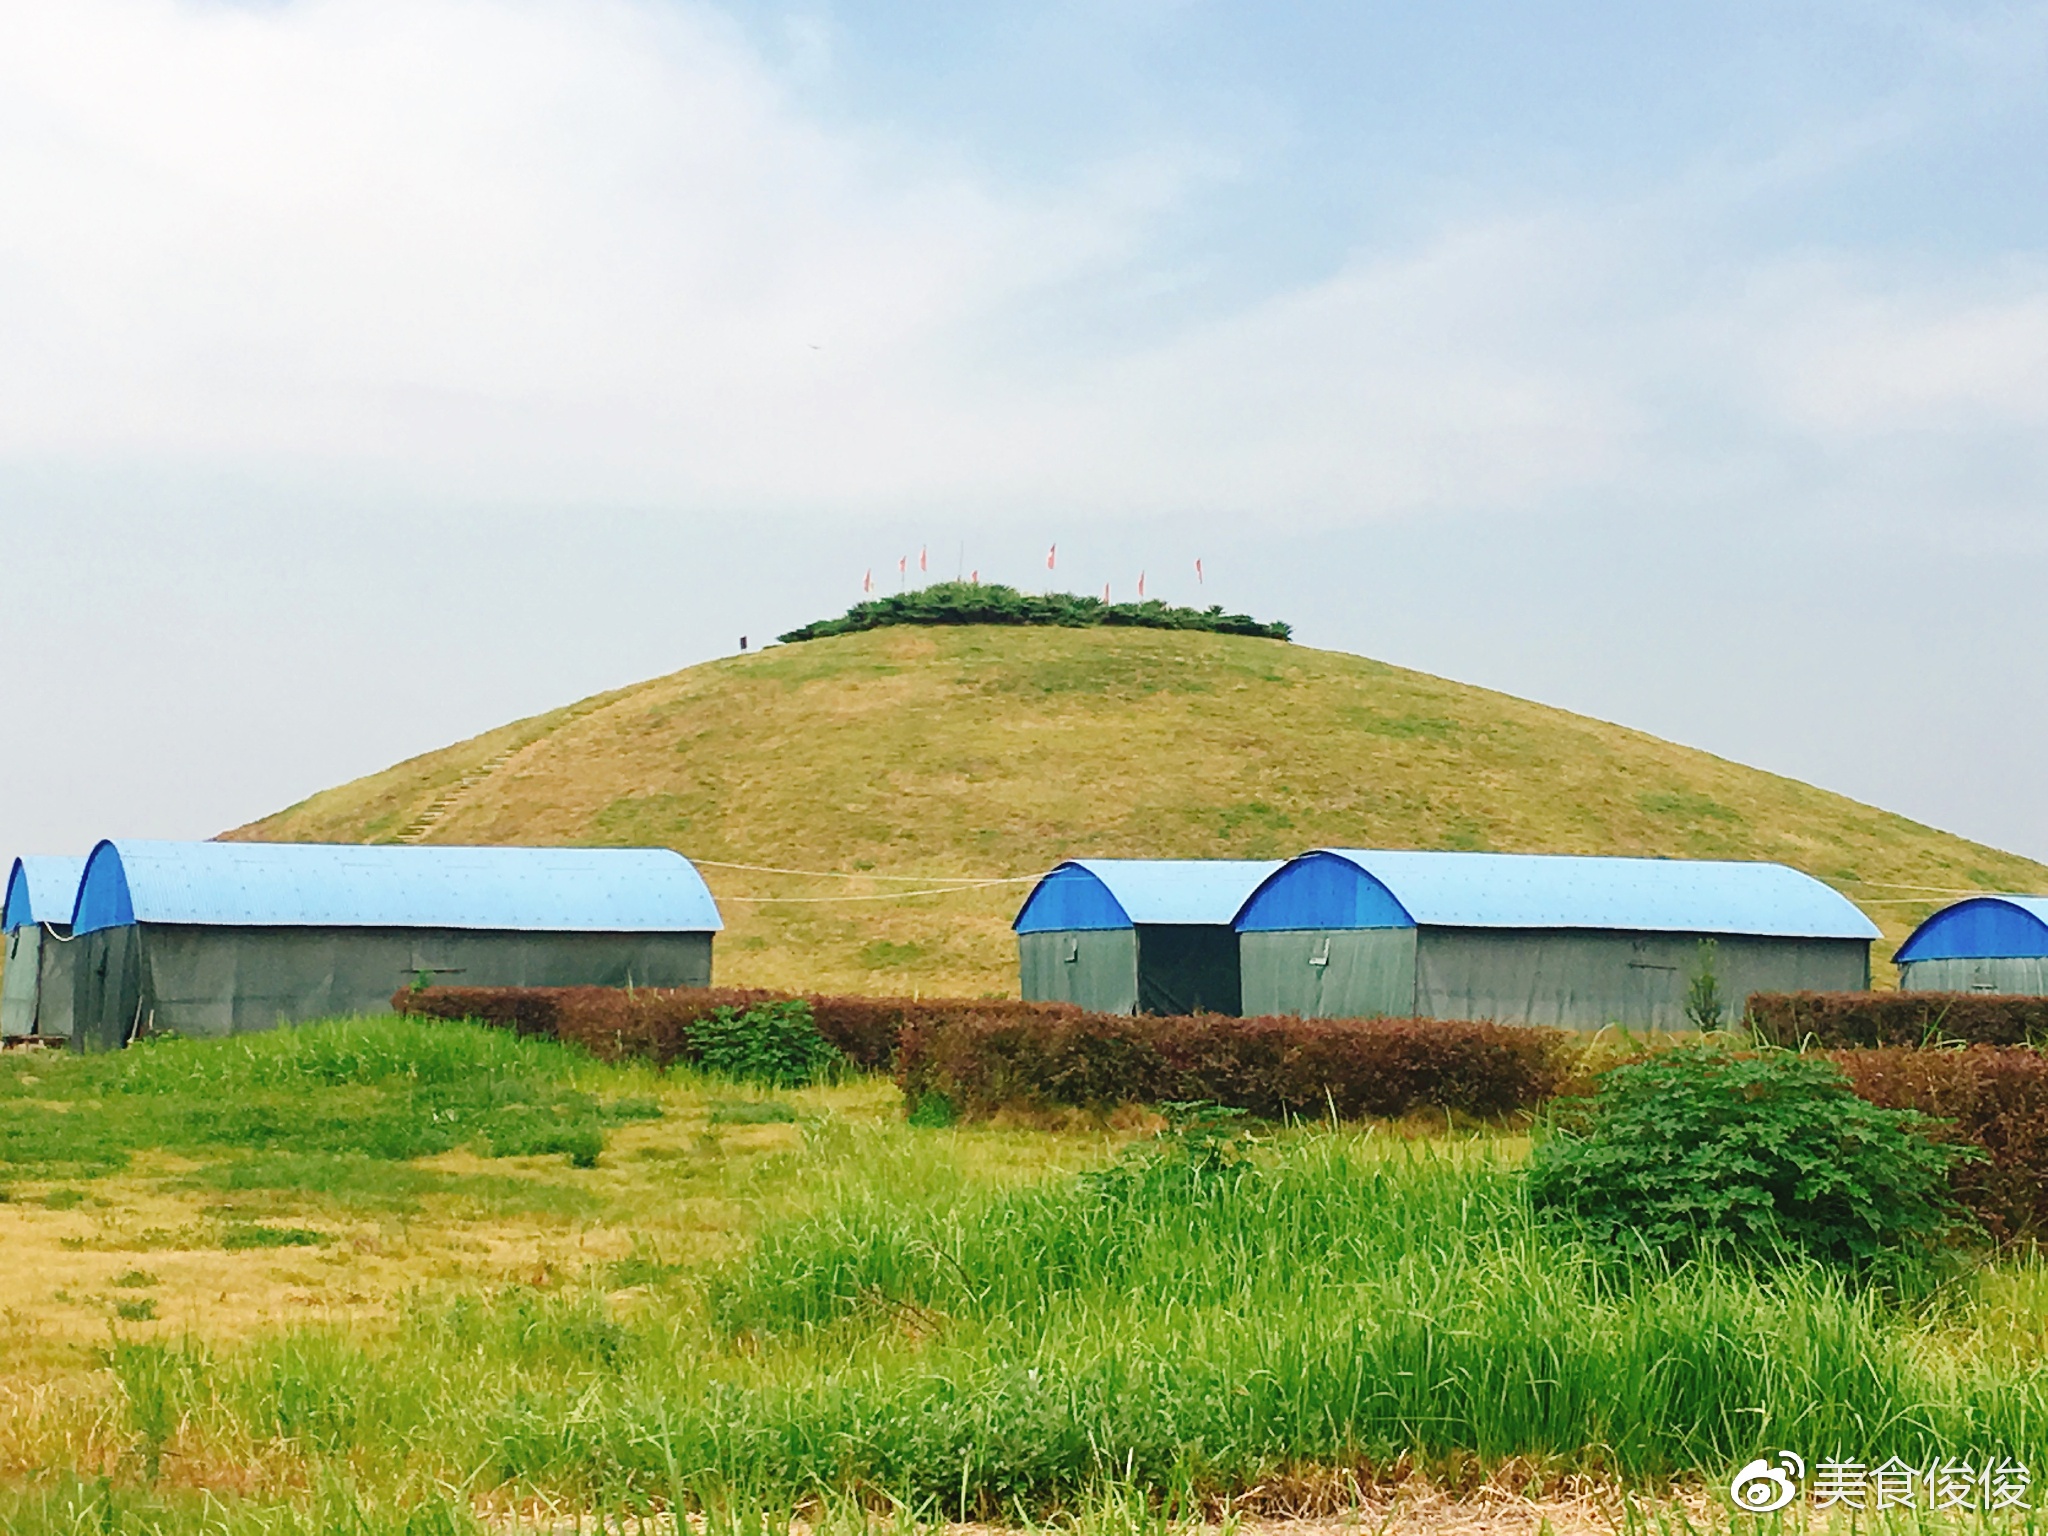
<point>774,1044</point>
<point>965,602</point>
<point>1770,1155</point>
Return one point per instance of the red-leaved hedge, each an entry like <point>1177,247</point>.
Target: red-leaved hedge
<point>1996,1097</point>
<point>990,1055</point>
<point>654,1024</point>
<point>986,1055</point>
<point>1848,1020</point>
<point>1271,1066</point>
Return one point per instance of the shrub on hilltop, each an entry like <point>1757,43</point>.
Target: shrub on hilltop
<point>965,602</point>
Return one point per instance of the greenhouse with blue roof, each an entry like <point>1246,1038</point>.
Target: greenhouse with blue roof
<point>1984,944</point>
<point>1538,938</point>
<point>225,938</point>
<point>1137,935</point>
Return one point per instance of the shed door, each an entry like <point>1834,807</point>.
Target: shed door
<point>1188,968</point>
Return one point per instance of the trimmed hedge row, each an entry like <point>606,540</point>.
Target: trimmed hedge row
<point>1993,1096</point>
<point>1850,1020</point>
<point>982,1056</point>
<point>985,1056</point>
<point>613,1022</point>
<point>1272,1067</point>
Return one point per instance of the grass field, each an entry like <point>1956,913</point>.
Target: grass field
<point>995,752</point>
<point>375,1275</point>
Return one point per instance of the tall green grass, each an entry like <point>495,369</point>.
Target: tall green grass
<point>1332,1304</point>
<point>380,1088</point>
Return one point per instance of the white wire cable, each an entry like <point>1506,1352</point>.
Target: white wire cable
<point>840,874</point>
<point>942,890</point>
<point>1932,890</point>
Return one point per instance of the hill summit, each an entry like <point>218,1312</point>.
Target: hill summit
<point>893,767</point>
<point>969,602</point>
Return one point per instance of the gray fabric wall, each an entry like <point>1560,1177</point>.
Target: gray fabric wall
<point>2025,976</point>
<point>18,982</point>
<point>54,992</point>
<point>107,996</point>
<point>1571,978</point>
<point>1096,969</point>
<point>1351,973</point>
<point>35,991</point>
<point>1579,979</point>
<point>206,981</point>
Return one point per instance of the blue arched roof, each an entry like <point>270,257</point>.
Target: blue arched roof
<point>1374,888</point>
<point>41,890</point>
<point>322,885</point>
<point>1120,893</point>
<point>1982,928</point>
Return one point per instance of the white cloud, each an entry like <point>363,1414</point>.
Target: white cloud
<point>1849,354</point>
<point>471,235</point>
<point>595,250</point>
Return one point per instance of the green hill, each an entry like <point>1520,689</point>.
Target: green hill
<point>984,752</point>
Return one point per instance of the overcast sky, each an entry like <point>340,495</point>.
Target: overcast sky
<point>374,371</point>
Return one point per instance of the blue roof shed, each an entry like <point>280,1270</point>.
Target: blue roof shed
<point>1381,888</point>
<point>42,889</point>
<point>1137,935</point>
<point>1981,944</point>
<point>325,885</point>
<point>1982,928</point>
<point>36,986</point>
<point>219,938</point>
<point>1538,938</point>
<point>1094,894</point>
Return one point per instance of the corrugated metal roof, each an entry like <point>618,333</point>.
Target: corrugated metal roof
<point>321,885</point>
<point>1981,928</point>
<point>1203,891</point>
<point>41,889</point>
<point>1513,890</point>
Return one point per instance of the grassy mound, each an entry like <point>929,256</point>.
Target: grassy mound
<point>981,752</point>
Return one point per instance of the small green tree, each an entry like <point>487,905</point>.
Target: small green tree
<point>1705,1008</point>
<point>1706,1149</point>
<point>776,1045</point>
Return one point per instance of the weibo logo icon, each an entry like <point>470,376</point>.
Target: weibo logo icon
<point>1764,1486</point>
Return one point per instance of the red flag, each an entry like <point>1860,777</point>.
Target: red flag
<point>903,565</point>
<point>1051,555</point>
<point>1198,573</point>
<point>923,564</point>
<point>1141,583</point>
<point>973,576</point>
<point>867,582</point>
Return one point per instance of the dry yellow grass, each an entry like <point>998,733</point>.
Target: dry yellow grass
<point>994,752</point>
<point>684,1189</point>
